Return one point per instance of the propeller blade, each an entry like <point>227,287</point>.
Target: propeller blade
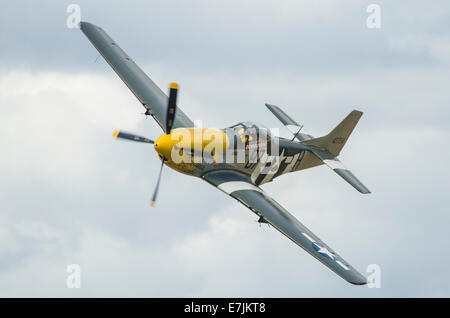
<point>171,106</point>
<point>124,135</point>
<point>153,202</point>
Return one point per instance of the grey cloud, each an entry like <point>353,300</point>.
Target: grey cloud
<point>71,195</point>
<point>201,37</point>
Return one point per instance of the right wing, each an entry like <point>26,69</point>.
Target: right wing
<point>150,95</point>
<point>240,187</point>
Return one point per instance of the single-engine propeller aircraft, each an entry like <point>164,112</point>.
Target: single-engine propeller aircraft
<point>237,159</point>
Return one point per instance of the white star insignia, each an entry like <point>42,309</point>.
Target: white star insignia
<point>324,251</point>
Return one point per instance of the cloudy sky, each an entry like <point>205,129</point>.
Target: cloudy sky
<point>71,195</point>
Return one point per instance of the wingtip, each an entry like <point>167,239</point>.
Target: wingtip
<point>87,27</point>
<point>152,204</point>
<point>357,279</point>
<point>116,133</point>
<point>174,85</point>
<point>84,24</point>
<point>364,190</point>
<point>361,281</point>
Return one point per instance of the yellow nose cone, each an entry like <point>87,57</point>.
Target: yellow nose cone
<point>164,145</point>
<point>192,139</point>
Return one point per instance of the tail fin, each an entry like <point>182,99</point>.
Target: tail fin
<point>336,139</point>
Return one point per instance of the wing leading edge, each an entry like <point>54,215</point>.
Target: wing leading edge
<point>240,187</point>
<point>146,91</point>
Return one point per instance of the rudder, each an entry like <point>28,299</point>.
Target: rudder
<point>336,139</point>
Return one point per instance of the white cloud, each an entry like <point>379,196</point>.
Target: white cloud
<point>49,120</point>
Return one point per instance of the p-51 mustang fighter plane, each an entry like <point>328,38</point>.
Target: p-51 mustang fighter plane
<point>237,159</point>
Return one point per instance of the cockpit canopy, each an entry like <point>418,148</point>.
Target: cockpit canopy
<point>250,135</point>
<point>250,129</point>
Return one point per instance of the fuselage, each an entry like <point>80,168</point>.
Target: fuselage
<point>247,147</point>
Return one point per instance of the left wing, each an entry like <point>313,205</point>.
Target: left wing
<point>240,187</point>
<point>146,91</point>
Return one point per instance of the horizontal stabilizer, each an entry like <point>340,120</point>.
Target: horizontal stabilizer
<point>289,123</point>
<point>339,168</point>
